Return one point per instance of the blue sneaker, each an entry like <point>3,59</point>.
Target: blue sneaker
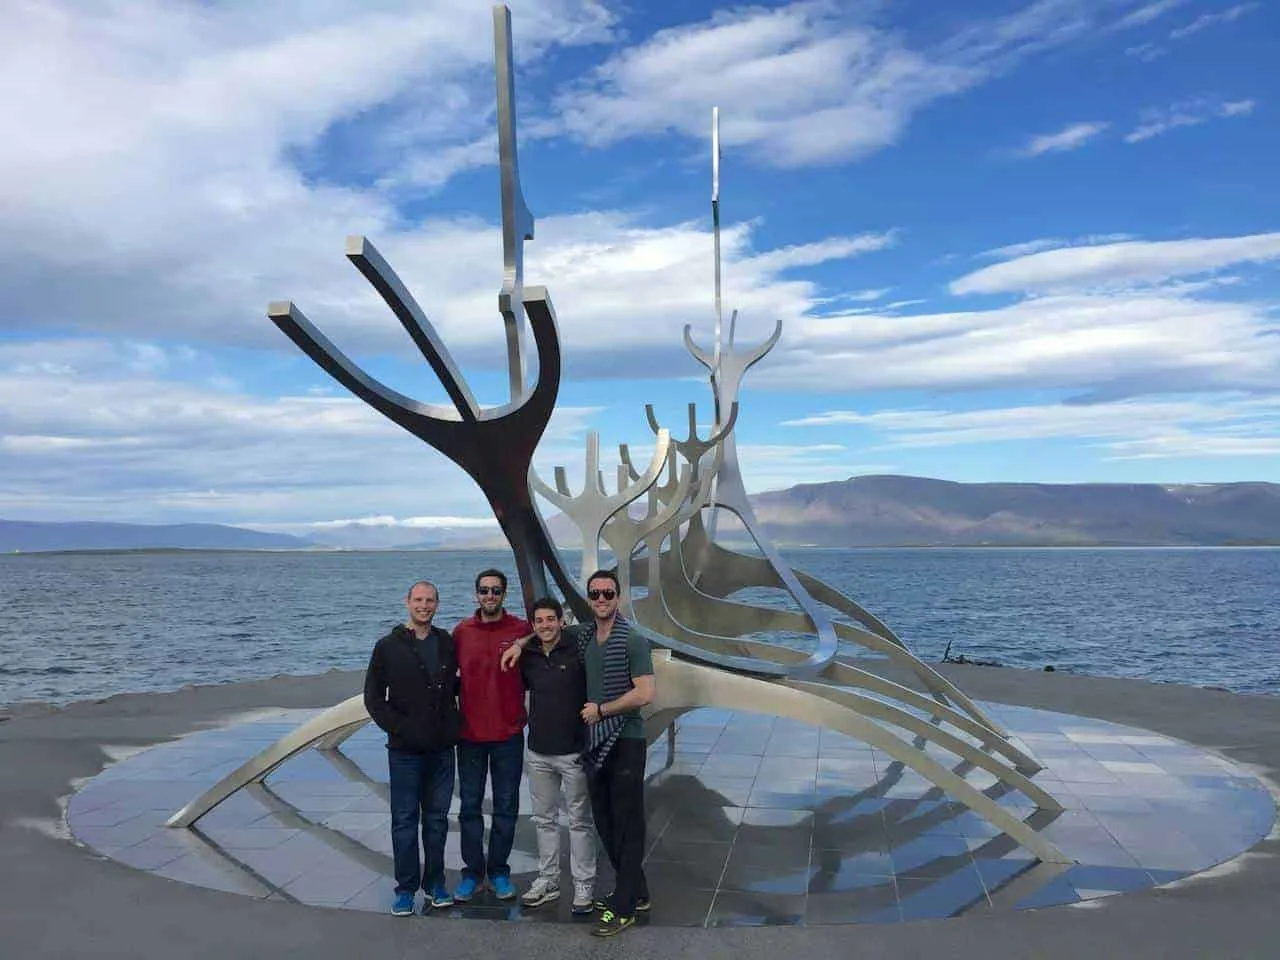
<point>440,896</point>
<point>466,888</point>
<point>403,905</point>
<point>503,888</point>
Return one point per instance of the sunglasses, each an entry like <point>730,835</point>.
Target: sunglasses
<point>602,594</point>
<point>489,591</point>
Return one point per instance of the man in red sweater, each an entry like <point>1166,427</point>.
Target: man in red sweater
<point>492,737</point>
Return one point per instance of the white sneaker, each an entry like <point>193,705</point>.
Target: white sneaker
<point>540,891</point>
<point>582,900</point>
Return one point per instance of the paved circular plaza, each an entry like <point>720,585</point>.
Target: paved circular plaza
<point>752,821</point>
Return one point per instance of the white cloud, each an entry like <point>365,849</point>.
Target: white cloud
<point>1230,15</point>
<point>1145,14</point>
<point>87,435</point>
<point>1071,137</point>
<point>412,523</point>
<point>1012,250</point>
<point>1118,264</point>
<point>1188,113</point>
<point>156,151</point>
<point>801,84</point>
<point>1197,426</point>
<point>1146,52</point>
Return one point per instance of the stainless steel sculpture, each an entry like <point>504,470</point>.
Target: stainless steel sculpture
<point>711,652</point>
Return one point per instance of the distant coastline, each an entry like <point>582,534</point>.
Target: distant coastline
<point>897,512</point>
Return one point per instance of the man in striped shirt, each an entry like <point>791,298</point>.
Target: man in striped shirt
<point>619,668</point>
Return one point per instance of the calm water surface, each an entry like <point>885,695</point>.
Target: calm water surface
<point>75,626</point>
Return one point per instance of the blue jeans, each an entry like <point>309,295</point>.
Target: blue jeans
<point>503,761</point>
<point>421,791</point>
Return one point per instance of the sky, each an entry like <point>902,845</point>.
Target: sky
<point>1007,240</point>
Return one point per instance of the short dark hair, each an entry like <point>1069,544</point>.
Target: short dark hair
<point>491,572</point>
<point>605,575</point>
<point>547,603</point>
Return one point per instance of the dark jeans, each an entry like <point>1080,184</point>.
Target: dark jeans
<point>617,802</point>
<point>503,762</point>
<point>421,791</point>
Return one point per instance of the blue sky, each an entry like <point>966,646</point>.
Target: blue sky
<point>1032,241</point>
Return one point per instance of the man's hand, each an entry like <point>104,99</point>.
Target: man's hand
<point>511,656</point>
<point>591,714</point>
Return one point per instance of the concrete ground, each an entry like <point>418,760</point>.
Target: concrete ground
<point>58,899</point>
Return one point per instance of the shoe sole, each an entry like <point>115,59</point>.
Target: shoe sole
<point>582,909</point>
<point>441,904</point>
<point>545,898</point>
<point>402,913</point>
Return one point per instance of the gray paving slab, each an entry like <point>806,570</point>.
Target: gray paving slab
<point>60,899</point>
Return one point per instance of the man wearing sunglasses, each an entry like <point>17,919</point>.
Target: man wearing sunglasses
<point>491,745</point>
<point>619,669</point>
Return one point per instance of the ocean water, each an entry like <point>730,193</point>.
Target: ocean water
<point>78,626</point>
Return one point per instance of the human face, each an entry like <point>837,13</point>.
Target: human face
<point>421,603</point>
<point>546,625</point>
<point>605,605</point>
<point>489,596</point>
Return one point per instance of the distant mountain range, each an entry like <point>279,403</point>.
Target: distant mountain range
<point>860,512</point>
<point>913,511</point>
<point>32,537</point>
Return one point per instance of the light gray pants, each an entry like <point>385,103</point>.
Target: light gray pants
<point>553,780</point>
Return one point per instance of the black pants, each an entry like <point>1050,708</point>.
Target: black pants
<point>617,803</point>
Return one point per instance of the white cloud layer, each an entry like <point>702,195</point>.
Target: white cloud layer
<point>1188,113</point>
<point>1198,426</point>
<point>105,428</point>
<point>1126,263</point>
<point>804,83</point>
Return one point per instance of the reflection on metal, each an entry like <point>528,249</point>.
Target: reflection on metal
<point>713,652</point>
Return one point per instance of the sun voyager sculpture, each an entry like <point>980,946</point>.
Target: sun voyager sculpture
<point>659,525</point>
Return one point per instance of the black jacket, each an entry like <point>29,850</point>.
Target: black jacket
<point>415,701</point>
<point>557,684</point>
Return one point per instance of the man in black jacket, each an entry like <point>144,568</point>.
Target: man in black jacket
<point>411,692</point>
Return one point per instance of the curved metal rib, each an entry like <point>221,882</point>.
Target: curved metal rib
<point>684,684</point>
<point>749,571</point>
<point>411,316</point>
<point>591,509</point>
<point>255,768</point>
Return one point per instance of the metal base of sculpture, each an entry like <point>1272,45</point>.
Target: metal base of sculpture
<point>710,653</point>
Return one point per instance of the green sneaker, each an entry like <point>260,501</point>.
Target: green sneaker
<point>611,924</point>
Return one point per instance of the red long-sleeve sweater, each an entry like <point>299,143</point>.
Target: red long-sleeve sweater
<point>492,700</point>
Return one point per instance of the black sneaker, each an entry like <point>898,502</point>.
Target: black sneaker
<point>643,904</point>
<point>610,924</point>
